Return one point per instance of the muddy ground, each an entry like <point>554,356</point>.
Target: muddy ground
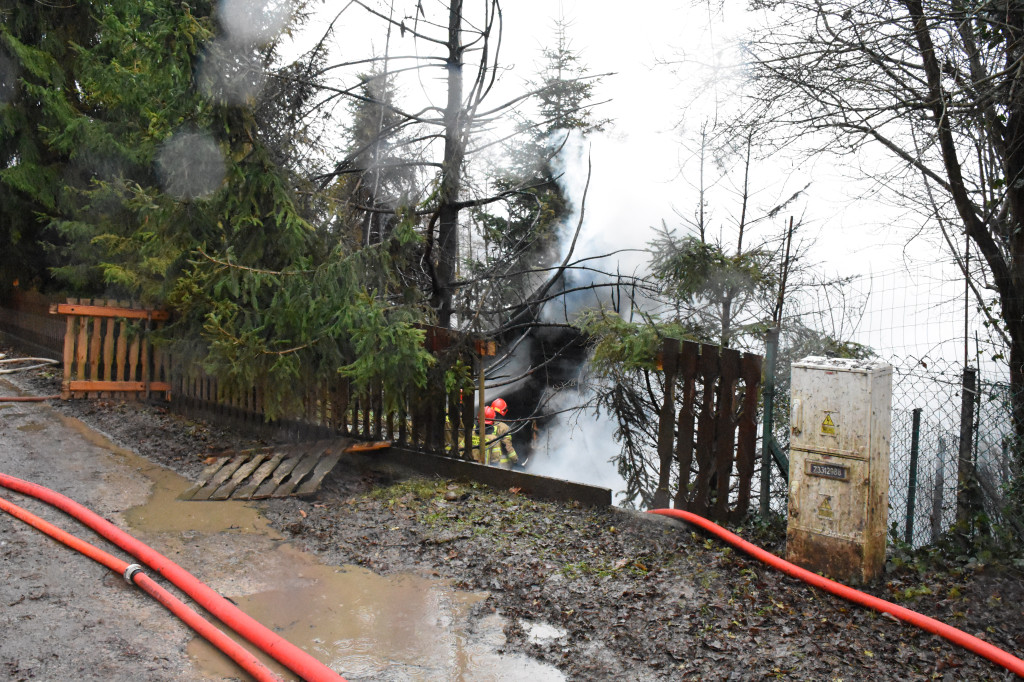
<point>605,593</point>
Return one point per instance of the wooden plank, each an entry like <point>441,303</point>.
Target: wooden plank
<point>309,461</point>
<point>416,420</point>
<point>144,366</point>
<point>124,329</point>
<point>746,439</point>
<point>354,411</point>
<point>224,492</point>
<point>204,478</point>
<point>378,410</point>
<point>108,350</point>
<point>367,404</point>
<point>133,359</point>
<point>157,358</point>
<point>69,356</point>
<point>125,386</point>
<point>305,464</point>
<point>403,421</point>
<point>221,476</point>
<point>264,470</point>
<point>725,431</point>
<point>435,413</point>
<point>82,349</point>
<point>323,467</point>
<point>91,310</point>
<point>95,348</point>
<point>666,421</point>
<point>704,454</point>
<point>685,425</point>
<point>121,353</point>
<point>270,485</point>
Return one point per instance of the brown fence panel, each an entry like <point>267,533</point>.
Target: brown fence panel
<point>25,316</point>
<point>685,433</point>
<point>715,390</point>
<point>108,353</point>
<point>107,350</point>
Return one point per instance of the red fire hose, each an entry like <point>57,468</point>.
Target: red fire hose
<point>295,659</point>
<point>133,573</point>
<point>978,646</point>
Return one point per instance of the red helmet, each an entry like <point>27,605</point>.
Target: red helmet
<point>488,415</point>
<point>500,406</point>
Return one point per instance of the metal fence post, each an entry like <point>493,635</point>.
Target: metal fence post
<point>915,440</point>
<point>768,391</point>
<point>938,484</point>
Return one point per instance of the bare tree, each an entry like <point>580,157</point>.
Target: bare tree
<point>938,86</point>
<point>447,144</point>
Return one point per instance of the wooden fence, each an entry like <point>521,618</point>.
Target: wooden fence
<point>25,317</point>
<point>707,428</point>
<point>427,419</point>
<point>108,352</point>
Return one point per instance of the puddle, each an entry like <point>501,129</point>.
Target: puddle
<point>363,625</point>
<point>32,426</point>
<point>541,633</point>
<point>372,628</point>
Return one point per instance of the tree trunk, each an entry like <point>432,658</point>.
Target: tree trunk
<point>1005,264</point>
<point>1017,405</point>
<point>451,173</point>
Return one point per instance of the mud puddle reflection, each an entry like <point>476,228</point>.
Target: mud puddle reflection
<point>362,625</point>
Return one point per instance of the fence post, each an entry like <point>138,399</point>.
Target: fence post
<point>915,441</point>
<point>666,423</point>
<point>938,483</point>
<point>965,466</point>
<point>768,391</point>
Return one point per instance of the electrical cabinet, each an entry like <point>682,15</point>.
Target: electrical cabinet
<point>840,428</point>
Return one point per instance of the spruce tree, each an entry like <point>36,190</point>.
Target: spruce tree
<point>522,239</point>
<point>158,155</point>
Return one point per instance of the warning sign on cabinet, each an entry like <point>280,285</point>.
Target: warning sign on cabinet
<point>829,426</point>
<point>825,508</point>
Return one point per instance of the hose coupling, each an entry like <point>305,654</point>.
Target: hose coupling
<point>130,571</point>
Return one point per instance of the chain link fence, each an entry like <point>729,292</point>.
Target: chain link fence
<point>932,467</point>
<point>945,451</point>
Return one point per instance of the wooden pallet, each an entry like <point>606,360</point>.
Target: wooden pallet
<point>277,471</point>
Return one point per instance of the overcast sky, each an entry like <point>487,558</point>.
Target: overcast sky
<point>672,66</point>
<point>663,56</point>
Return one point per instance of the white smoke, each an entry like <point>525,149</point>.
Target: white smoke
<point>254,22</point>
<point>577,445</point>
<point>190,165</point>
<point>507,374</point>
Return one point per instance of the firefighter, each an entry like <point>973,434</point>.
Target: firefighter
<point>507,453</point>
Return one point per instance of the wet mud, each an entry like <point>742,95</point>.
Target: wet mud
<point>596,593</point>
<point>363,625</point>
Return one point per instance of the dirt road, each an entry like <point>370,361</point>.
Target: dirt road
<point>64,617</point>
<point>601,594</point>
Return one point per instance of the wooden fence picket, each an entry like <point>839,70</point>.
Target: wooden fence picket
<point>108,352</point>
<point>99,361</point>
<point>715,428</point>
